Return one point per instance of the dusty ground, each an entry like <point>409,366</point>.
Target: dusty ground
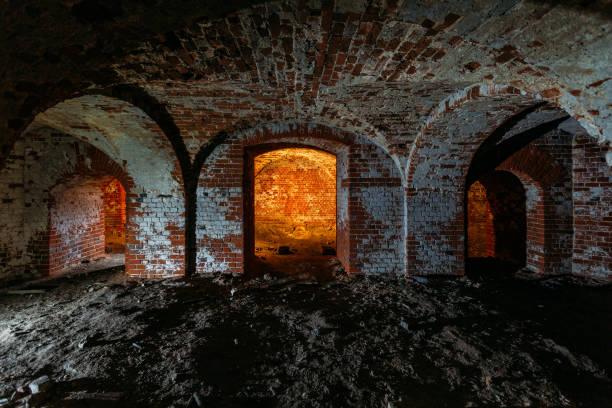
<point>383,342</point>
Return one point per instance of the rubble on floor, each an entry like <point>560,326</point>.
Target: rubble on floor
<point>102,340</point>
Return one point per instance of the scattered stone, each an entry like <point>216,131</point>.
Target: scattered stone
<point>311,320</point>
<point>173,284</point>
<point>40,384</point>
<point>95,396</point>
<point>83,343</point>
<point>195,401</point>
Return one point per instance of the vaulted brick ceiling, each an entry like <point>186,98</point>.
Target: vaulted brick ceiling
<point>378,68</point>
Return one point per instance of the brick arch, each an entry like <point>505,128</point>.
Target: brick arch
<point>82,169</point>
<point>450,141</point>
<point>539,172</point>
<point>131,138</point>
<point>329,115</point>
<point>451,105</point>
<point>123,131</point>
<point>553,96</point>
<point>94,163</point>
<point>437,176</point>
<point>258,150</point>
<point>369,182</point>
<point>270,147</point>
<point>85,182</point>
<point>531,162</point>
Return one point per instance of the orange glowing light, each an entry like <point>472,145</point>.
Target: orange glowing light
<point>295,202</point>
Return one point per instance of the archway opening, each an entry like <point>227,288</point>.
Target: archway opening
<point>496,223</point>
<point>87,222</point>
<point>294,211</point>
<point>114,217</point>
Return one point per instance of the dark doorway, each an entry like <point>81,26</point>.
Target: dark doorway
<point>496,222</point>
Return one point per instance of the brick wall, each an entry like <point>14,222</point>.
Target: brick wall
<point>86,220</point>
<point>155,235</point>
<point>155,198</point>
<point>76,224</point>
<point>536,224</point>
<point>556,181</point>
<point>295,201</point>
<point>436,180</point>
<point>374,205</point>
<point>544,168</point>
<point>44,237</point>
<point>44,160</point>
<point>370,206</point>
<point>592,254</point>
<point>13,246</point>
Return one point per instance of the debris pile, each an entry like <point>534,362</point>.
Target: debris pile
<point>103,340</point>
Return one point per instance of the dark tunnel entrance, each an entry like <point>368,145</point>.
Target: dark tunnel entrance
<point>496,222</point>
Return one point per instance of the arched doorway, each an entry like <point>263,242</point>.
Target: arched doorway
<point>370,235</point>
<point>87,220</point>
<point>291,202</point>
<point>114,217</point>
<point>496,221</point>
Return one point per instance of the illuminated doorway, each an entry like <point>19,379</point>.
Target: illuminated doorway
<point>292,201</point>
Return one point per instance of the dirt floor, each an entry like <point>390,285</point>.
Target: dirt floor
<point>315,266</point>
<point>489,340</point>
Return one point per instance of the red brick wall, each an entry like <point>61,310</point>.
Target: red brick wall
<point>436,179</point>
<point>370,202</point>
<point>76,225</point>
<point>56,204</point>
<point>129,143</point>
<point>592,253</point>
<point>544,168</point>
<point>295,200</point>
<point>114,217</point>
<point>343,232</point>
<point>538,259</point>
